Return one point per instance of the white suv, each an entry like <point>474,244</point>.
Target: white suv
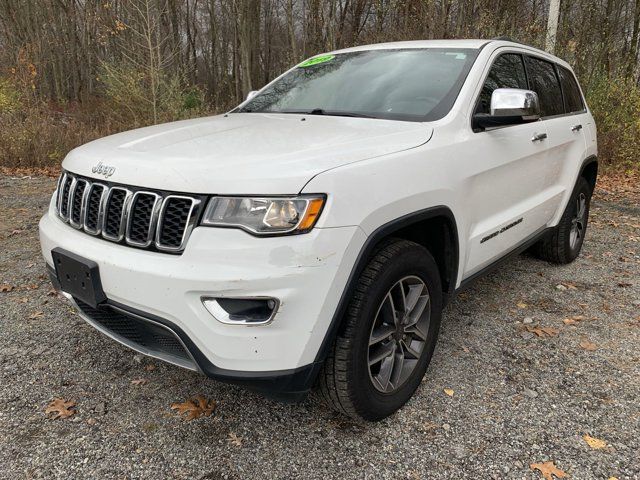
<point>314,233</point>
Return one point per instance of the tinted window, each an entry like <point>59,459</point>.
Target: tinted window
<point>543,81</point>
<point>506,72</point>
<point>572,97</point>
<point>405,84</point>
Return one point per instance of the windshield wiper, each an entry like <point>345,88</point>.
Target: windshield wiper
<point>315,111</point>
<point>338,113</point>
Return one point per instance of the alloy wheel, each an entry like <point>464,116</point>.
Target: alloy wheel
<point>578,221</point>
<point>398,334</point>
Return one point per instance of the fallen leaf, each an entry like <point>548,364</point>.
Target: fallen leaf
<point>548,470</point>
<point>543,331</point>
<point>35,315</point>
<point>195,407</point>
<point>235,439</point>
<point>448,391</point>
<point>139,381</point>
<point>521,305</point>
<point>61,408</point>
<point>150,367</point>
<point>587,345</point>
<point>5,287</point>
<point>594,443</point>
<point>574,320</point>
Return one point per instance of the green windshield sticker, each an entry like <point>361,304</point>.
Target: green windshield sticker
<point>317,60</point>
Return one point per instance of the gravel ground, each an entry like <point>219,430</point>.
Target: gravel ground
<point>518,398</point>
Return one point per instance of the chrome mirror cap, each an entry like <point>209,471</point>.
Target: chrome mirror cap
<point>510,102</point>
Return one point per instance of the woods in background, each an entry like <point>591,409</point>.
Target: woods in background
<point>73,70</point>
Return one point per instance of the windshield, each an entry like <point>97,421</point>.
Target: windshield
<point>407,84</point>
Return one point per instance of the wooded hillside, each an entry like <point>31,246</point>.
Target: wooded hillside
<point>73,70</point>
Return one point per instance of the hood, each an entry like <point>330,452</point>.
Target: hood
<point>241,153</point>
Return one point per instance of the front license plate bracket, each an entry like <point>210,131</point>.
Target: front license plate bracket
<point>78,276</point>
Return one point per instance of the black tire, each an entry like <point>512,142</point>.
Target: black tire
<point>558,246</point>
<point>346,382</point>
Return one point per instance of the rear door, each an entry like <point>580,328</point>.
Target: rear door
<point>565,118</point>
<point>506,186</point>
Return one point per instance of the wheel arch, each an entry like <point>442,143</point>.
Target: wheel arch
<point>589,170</point>
<point>434,227</point>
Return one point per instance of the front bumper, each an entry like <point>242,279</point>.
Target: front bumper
<point>307,273</point>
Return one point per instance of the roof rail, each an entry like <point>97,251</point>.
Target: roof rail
<point>509,39</point>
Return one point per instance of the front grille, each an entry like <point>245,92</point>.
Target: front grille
<point>138,333</point>
<point>146,219</point>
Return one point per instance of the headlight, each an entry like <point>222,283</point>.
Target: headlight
<point>265,215</point>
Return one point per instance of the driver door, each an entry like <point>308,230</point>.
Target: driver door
<point>506,201</point>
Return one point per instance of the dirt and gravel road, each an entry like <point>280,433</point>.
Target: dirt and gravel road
<point>518,398</point>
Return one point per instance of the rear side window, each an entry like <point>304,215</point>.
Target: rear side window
<point>544,81</point>
<point>572,97</point>
<point>506,72</point>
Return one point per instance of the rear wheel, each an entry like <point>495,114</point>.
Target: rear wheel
<point>388,336</point>
<point>563,245</point>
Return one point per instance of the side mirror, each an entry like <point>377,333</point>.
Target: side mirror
<point>509,106</point>
<point>250,95</point>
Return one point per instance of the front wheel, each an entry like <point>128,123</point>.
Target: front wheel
<point>388,336</point>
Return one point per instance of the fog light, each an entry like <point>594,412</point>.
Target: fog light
<point>242,311</point>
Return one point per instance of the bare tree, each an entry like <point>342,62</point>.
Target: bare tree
<point>229,47</point>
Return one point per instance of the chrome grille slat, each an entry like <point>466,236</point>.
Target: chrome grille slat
<point>94,211</point>
<point>65,192</point>
<point>77,199</point>
<point>142,218</point>
<point>61,181</point>
<point>128,215</point>
<point>116,213</point>
<point>170,243</point>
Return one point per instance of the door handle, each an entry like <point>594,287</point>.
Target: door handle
<point>538,137</point>
<point>576,128</point>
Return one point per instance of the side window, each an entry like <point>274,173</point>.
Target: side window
<point>572,97</point>
<point>543,81</point>
<point>506,72</point>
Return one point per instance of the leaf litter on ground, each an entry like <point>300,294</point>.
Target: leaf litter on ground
<point>548,470</point>
<point>593,442</point>
<point>60,408</point>
<point>194,408</point>
<point>543,332</point>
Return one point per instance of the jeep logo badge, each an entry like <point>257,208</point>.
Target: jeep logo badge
<point>102,169</point>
